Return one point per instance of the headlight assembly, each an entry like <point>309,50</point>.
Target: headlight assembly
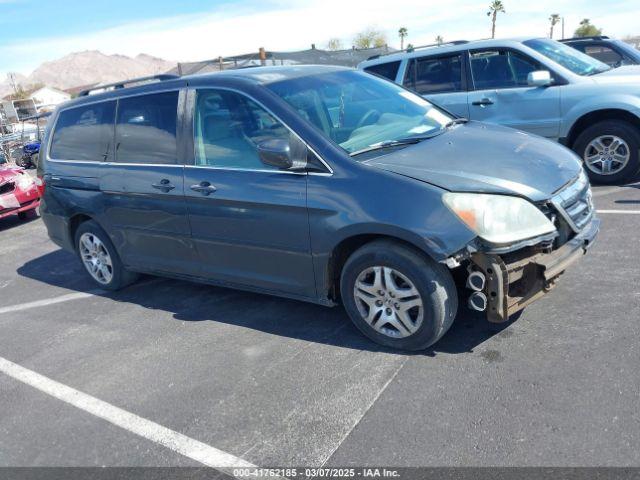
<point>24,181</point>
<point>499,219</point>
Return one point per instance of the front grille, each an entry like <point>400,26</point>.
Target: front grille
<point>7,188</point>
<point>575,204</point>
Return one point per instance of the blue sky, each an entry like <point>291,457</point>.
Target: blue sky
<point>33,31</point>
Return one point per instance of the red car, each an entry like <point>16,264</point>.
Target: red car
<point>19,192</point>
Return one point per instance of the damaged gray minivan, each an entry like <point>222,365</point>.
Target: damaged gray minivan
<point>322,184</point>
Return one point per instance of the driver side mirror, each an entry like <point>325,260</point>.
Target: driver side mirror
<point>539,78</point>
<point>284,153</point>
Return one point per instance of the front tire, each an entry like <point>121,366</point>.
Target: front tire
<point>609,150</point>
<point>100,258</point>
<point>397,296</point>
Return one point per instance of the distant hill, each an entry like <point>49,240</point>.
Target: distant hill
<point>88,68</point>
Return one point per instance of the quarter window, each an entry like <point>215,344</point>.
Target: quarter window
<point>435,75</point>
<point>228,129</point>
<point>84,133</point>
<point>146,129</point>
<point>501,69</point>
<point>386,70</point>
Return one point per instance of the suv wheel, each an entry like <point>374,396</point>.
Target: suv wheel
<point>100,259</point>
<point>397,296</point>
<point>609,150</point>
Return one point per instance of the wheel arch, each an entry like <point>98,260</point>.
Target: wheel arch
<point>343,249</point>
<point>74,223</point>
<point>600,115</point>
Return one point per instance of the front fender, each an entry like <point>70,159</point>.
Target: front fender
<point>584,106</point>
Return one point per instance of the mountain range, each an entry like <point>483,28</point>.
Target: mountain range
<point>88,68</point>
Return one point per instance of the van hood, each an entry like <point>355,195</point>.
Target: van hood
<point>483,158</point>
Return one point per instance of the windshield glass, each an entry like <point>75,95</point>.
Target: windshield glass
<point>359,111</point>
<point>568,57</point>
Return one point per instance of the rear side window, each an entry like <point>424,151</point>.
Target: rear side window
<point>435,75</point>
<point>84,133</point>
<point>146,129</point>
<point>386,70</point>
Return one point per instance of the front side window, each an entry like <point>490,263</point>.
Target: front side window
<point>228,128</point>
<point>570,58</point>
<point>435,75</point>
<point>358,111</point>
<point>501,69</point>
<point>146,129</point>
<point>84,133</point>
<point>386,70</point>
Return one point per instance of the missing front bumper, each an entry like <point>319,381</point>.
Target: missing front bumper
<point>515,281</point>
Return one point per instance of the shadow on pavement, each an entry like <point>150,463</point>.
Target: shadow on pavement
<point>13,221</point>
<point>193,302</point>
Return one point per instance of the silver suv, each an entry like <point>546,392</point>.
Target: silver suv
<point>537,85</point>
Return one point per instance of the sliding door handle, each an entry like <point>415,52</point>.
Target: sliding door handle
<point>204,188</point>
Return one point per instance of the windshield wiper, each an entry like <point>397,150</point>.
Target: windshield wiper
<point>456,121</point>
<point>388,144</point>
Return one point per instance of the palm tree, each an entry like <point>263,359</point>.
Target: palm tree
<point>402,33</point>
<point>439,40</point>
<point>495,8</point>
<point>554,19</point>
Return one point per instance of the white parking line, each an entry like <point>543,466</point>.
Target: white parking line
<point>624,212</point>
<point>198,451</point>
<point>49,301</point>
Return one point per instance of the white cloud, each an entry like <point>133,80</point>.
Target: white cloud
<point>292,25</point>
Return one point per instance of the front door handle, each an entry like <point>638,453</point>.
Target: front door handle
<point>204,188</point>
<point>482,102</point>
<point>164,185</point>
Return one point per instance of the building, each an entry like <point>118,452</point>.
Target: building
<point>49,96</point>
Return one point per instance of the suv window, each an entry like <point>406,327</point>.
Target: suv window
<point>228,129</point>
<point>501,69</point>
<point>435,75</point>
<point>146,128</point>
<point>84,133</point>
<point>604,54</point>
<point>386,70</point>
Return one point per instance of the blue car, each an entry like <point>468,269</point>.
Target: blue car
<point>322,184</point>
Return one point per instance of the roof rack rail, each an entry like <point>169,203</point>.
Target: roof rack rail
<point>116,85</point>
<point>592,37</point>
<point>420,47</point>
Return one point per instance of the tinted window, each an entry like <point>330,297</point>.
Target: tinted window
<point>228,129</point>
<point>604,54</point>
<point>501,69</point>
<point>146,128</point>
<point>386,70</point>
<point>84,133</point>
<point>571,59</point>
<point>435,75</point>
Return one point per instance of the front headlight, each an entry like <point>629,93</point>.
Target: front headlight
<point>24,181</point>
<point>499,219</point>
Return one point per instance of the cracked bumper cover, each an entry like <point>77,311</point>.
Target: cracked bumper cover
<point>514,281</point>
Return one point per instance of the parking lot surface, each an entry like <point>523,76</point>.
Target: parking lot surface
<point>279,382</point>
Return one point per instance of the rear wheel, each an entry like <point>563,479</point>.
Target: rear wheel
<point>100,259</point>
<point>609,150</point>
<point>397,296</point>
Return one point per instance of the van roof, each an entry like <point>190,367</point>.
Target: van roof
<point>256,75</point>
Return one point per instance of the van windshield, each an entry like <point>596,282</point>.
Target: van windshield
<point>359,111</point>
<point>570,58</point>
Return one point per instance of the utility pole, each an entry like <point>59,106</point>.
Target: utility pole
<point>563,27</point>
<point>263,56</point>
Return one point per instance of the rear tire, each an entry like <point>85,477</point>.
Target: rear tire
<point>397,296</point>
<point>100,258</point>
<point>610,133</point>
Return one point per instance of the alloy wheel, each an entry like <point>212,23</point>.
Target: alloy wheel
<point>607,154</point>
<point>96,258</point>
<point>388,301</point>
